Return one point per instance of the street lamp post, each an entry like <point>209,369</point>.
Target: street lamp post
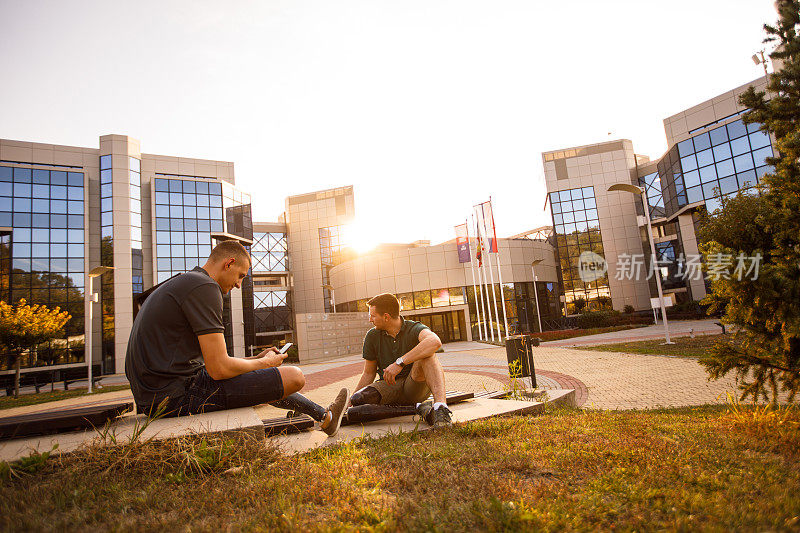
<point>536,291</point>
<point>333,298</point>
<point>91,298</point>
<point>633,189</point>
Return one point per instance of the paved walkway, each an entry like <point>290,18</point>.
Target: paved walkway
<point>603,380</point>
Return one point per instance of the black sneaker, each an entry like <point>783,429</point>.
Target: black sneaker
<point>425,411</point>
<point>442,417</point>
<point>337,411</point>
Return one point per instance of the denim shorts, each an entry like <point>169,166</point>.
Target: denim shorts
<point>205,394</point>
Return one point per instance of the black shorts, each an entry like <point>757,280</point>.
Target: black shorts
<point>205,394</point>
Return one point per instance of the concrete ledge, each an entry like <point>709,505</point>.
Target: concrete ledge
<point>231,421</point>
<point>475,409</point>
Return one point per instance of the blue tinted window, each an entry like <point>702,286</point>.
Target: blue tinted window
<point>688,163</point>
<point>203,225</point>
<point>188,186</point>
<point>215,188</point>
<point>162,224</point>
<point>201,187</point>
<point>740,146</point>
<point>40,235</point>
<point>175,198</point>
<point>588,192</point>
<point>189,199</point>
<point>5,204</point>
<point>721,152</point>
<point>22,189</point>
<point>41,176</point>
<point>203,212</point>
<point>58,177</point>
<point>75,208</point>
<point>176,211</point>
<point>162,198</point>
<point>708,174</point>
<point>162,185</point>
<point>75,236</point>
<point>40,250</point>
<point>58,192</point>
<point>701,142</point>
<point>759,156</point>
<point>105,162</point>
<point>162,211</point>
<point>725,168</point>
<point>704,158</point>
<point>202,200</point>
<point>190,212</point>
<point>75,193</point>
<point>176,237</point>
<point>58,250</point>
<point>755,126</point>
<point>21,235</point>
<point>106,191</point>
<point>736,129</point>
<point>5,219</point>
<point>711,189</point>
<point>743,162</point>
<point>759,139</point>
<point>216,226</point>
<point>58,235</point>
<point>22,204</point>
<point>75,179</point>
<point>58,206</point>
<point>6,189</point>
<point>216,214</point>
<point>106,176</point>
<point>216,201</point>
<point>107,218</point>
<point>728,185</point>
<point>75,221</point>
<point>22,175</point>
<point>6,173</point>
<point>718,135</point>
<point>175,186</point>
<point>176,224</point>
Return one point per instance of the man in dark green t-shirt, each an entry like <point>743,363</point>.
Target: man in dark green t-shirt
<point>402,353</point>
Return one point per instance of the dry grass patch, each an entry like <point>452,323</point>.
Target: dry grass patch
<point>708,468</point>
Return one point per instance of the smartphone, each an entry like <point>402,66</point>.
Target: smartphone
<point>285,347</point>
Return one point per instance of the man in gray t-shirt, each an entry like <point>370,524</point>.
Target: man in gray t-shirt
<point>177,361</point>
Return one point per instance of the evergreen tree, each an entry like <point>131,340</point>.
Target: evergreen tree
<point>765,351</point>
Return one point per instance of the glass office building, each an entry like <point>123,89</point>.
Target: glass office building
<point>42,250</point>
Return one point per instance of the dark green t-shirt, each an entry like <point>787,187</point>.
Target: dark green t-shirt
<point>382,347</point>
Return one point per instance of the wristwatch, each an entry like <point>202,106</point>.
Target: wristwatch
<point>399,361</point>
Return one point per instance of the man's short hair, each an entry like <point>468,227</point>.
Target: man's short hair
<point>229,248</point>
<point>386,303</point>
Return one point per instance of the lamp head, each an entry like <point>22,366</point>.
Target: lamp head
<point>627,187</point>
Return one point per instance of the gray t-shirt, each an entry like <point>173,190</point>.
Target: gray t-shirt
<point>163,350</point>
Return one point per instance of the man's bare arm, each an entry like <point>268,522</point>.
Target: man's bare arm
<point>429,342</point>
<point>368,375</point>
<point>220,365</point>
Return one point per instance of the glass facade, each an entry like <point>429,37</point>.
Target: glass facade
<point>186,213</point>
<point>188,210</point>
<point>712,164</point>
<point>135,182</point>
<point>520,304</point>
<point>42,252</point>
<point>272,309</point>
<point>107,259</point>
<point>577,230</point>
<point>331,246</point>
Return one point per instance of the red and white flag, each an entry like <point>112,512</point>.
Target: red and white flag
<point>486,222</point>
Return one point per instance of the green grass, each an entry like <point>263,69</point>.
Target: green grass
<point>705,468</point>
<point>7,402</point>
<point>683,347</point>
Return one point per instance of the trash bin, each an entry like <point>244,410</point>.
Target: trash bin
<point>519,350</point>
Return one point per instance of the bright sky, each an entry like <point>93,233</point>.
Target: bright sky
<point>426,107</point>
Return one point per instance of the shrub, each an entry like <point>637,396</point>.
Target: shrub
<point>628,309</point>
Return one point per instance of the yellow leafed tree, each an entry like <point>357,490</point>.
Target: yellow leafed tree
<point>23,326</point>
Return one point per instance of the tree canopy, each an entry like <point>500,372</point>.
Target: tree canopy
<point>765,350</point>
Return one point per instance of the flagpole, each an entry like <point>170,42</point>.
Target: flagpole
<point>474,289</point>
<point>489,332</point>
<point>499,274</point>
<point>491,274</point>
